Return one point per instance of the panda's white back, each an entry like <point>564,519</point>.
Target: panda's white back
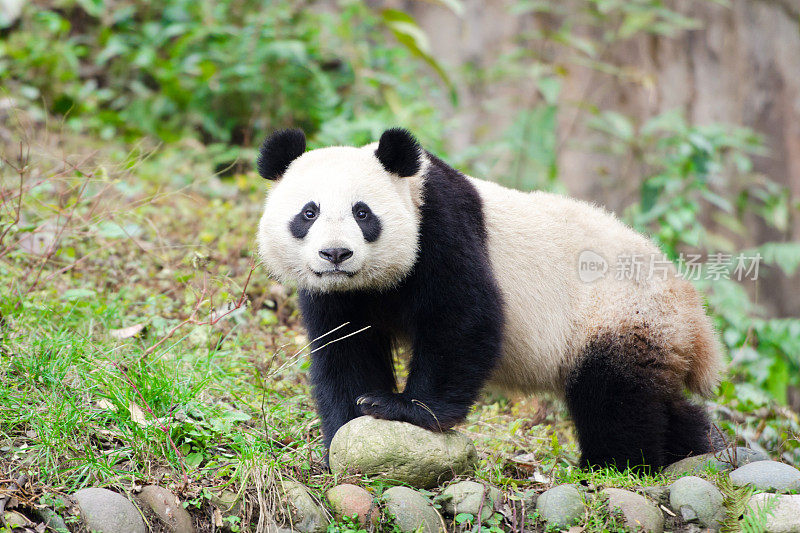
<point>535,243</point>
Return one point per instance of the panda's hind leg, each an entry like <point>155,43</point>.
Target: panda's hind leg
<point>689,431</point>
<point>618,398</point>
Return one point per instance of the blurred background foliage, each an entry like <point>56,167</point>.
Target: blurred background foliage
<point>223,74</point>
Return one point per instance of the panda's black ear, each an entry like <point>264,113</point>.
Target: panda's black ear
<point>399,152</point>
<point>278,151</point>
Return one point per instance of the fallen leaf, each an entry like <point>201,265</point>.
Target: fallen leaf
<point>127,333</point>
<point>104,404</point>
<point>540,478</point>
<point>137,415</point>
<point>218,518</point>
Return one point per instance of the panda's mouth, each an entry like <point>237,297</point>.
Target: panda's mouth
<point>335,273</point>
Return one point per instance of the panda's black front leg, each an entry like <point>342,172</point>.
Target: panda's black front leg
<point>344,367</point>
<point>454,353</point>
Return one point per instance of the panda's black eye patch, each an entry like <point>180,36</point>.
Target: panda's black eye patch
<point>302,221</point>
<point>368,221</point>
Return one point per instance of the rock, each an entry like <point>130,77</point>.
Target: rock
<point>640,513</point>
<point>697,499</point>
<point>52,519</point>
<point>106,511</point>
<point>470,497</point>
<point>14,520</point>
<point>722,461</point>
<point>659,493</point>
<point>305,515</point>
<point>768,475</point>
<point>785,515</point>
<point>412,511</point>
<point>401,452</point>
<point>561,506</point>
<point>349,500</point>
<point>168,508</point>
<point>228,502</point>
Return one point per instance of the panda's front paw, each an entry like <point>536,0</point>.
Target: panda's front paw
<point>394,406</point>
<point>385,405</point>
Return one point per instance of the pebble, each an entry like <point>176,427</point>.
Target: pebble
<point>168,508</point>
<point>561,506</point>
<point>52,519</point>
<point>697,499</point>
<point>14,520</point>
<point>412,511</point>
<point>401,452</point>
<point>640,513</point>
<point>470,497</point>
<point>768,475</point>
<point>105,511</point>
<point>228,502</point>
<point>722,461</point>
<point>785,516</point>
<point>659,493</point>
<point>306,515</point>
<point>348,500</point>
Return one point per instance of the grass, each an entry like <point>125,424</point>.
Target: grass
<point>138,346</point>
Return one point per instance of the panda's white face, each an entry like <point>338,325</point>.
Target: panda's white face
<point>337,220</point>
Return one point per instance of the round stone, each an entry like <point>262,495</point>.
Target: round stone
<point>401,452</point>
<point>722,461</point>
<point>106,511</point>
<point>697,499</point>
<point>305,515</point>
<point>768,475</point>
<point>640,513</point>
<point>412,511</point>
<point>784,511</point>
<point>168,508</point>
<point>352,500</point>
<point>470,497</point>
<point>228,502</point>
<point>561,506</point>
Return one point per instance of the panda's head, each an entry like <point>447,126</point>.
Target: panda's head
<point>341,218</point>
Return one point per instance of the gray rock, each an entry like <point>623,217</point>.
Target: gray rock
<point>688,514</point>
<point>640,513</point>
<point>106,511</point>
<point>768,475</point>
<point>52,519</point>
<point>659,493</point>
<point>695,497</point>
<point>168,508</point>
<point>470,497</point>
<point>412,511</point>
<point>349,500</point>
<point>228,502</point>
<point>401,452</point>
<point>15,520</point>
<point>785,515</point>
<point>722,461</point>
<point>561,506</point>
<point>304,514</point>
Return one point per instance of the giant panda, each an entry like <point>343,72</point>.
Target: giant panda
<point>483,284</point>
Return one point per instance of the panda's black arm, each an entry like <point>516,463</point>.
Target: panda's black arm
<point>456,344</point>
<point>343,370</point>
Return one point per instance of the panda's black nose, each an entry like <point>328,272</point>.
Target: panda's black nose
<point>336,255</point>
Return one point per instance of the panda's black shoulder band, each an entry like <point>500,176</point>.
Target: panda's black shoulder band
<point>278,151</point>
<point>399,152</point>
